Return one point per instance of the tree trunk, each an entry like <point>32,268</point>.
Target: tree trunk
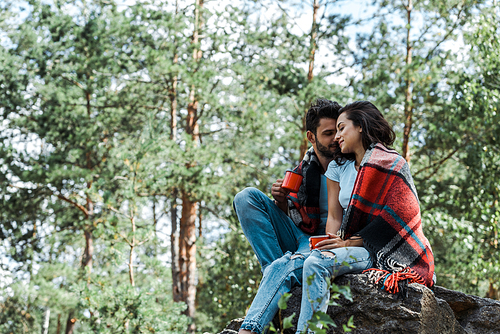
<point>408,91</point>
<point>200,227</point>
<point>187,254</point>
<point>187,233</point>
<point>46,321</point>
<point>70,323</point>
<point>174,249</point>
<point>89,244</point>
<point>33,241</point>
<point>88,252</point>
<point>492,292</point>
<point>313,42</point>
<point>155,227</point>
<point>172,92</point>
<point>174,237</point>
<point>58,330</point>
<point>173,105</point>
<point>192,126</point>
<point>310,76</point>
<point>131,253</point>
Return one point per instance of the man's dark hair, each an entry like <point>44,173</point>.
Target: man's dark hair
<point>321,108</point>
<point>375,128</point>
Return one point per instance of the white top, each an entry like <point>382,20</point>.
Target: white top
<point>345,175</point>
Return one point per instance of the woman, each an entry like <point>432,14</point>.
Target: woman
<point>358,237</point>
<point>383,213</point>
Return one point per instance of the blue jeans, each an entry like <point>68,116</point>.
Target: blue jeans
<point>274,237</point>
<point>290,270</point>
<point>269,230</point>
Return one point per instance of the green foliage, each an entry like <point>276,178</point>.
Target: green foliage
<point>19,312</point>
<point>462,197</point>
<point>282,303</point>
<point>349,326</point>
<point>124,309</point>
<point>229,277</point>
<point>287,322</point>
<point>104,307</point>
<point>69,186</point>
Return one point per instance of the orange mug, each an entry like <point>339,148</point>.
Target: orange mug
<point>292,181</point>
<point>314,240</point>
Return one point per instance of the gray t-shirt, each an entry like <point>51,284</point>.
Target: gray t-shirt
<point>345,175</point>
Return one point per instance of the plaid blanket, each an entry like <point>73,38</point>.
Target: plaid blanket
<point>303,206</point>
<point>384,211</point>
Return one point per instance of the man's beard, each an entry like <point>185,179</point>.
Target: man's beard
<point>325,151</point>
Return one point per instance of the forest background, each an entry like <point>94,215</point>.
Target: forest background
<point>127,129</point>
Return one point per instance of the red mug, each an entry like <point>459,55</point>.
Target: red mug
<point>292,181</point>
<point>314,240</point>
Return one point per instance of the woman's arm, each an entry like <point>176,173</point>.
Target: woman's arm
<point>334,208</point>
<point>354,241</point>
<point>335,220</point>
<point>335,241</point>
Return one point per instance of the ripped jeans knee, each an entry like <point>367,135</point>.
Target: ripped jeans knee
<point>297,256</point>
<point>328,253</point>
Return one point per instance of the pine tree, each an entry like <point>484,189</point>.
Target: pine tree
<point>462,183</point>
<point>68,109</point>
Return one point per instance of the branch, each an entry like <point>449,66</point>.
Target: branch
<point>224,219</point>
<point>426,30</point>
<point>438,164</point>
<point>291,18</point>
<point>151,195</point>
<point>215,250</point>
<point>295,105</point>
<point>125,238</point>
<point>198,115</point>
<point>117,211</point>
<point>124,78</point>
<point>74,82</point>
<point>359,21</point>
<point>119,106</point>
<point>343,68</point>
<point>210,132</point>
<point>79,206</point>
<point>446,36</point>
<point>143,241</point>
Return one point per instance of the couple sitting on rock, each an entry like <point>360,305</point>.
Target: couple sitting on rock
<point>357,191</point>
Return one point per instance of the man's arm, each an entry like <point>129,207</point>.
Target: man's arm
<point>279,194</point>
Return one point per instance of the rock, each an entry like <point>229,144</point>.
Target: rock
<point>376,311</point>
<point>475,314</point>
<point>228,331</point>
<point>233,326</point>
<point>424,311</point>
